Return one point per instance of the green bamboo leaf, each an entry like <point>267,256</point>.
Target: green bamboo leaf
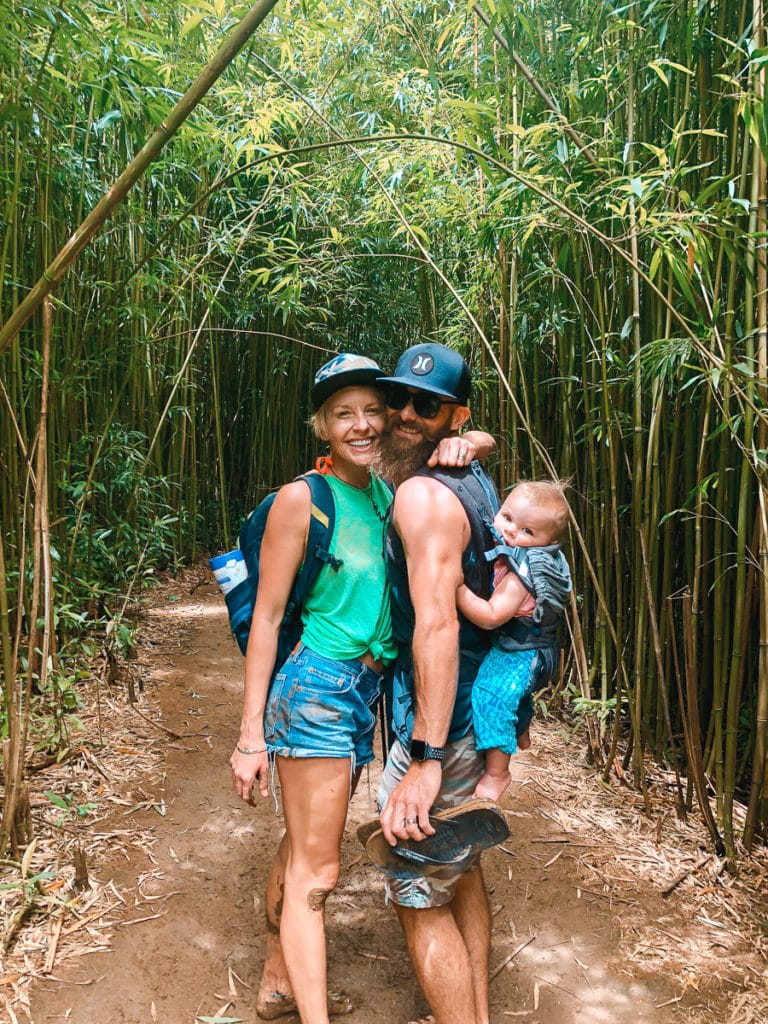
<point>219,1020</point>
<point>192,22</point>
<point>655,262</point>
<point>57,801</point>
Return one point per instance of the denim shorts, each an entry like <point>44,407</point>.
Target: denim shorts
<point>320,707</point>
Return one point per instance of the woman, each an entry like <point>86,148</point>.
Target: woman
<point>317,719</point>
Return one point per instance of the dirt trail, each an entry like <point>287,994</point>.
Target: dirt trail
<point>578,915</point>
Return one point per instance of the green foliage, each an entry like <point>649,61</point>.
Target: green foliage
<point>370,176</point>
<point>68,805</point>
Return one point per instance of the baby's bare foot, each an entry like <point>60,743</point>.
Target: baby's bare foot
<point>490,787</point>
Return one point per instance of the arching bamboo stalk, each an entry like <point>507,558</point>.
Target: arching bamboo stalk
<point>95,220</point>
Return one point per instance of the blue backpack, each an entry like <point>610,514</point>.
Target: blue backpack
<point>241,598</point>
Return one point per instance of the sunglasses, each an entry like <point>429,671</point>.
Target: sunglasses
<point>425,405</point>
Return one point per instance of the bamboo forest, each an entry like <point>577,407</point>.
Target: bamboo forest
<point>201,203</point>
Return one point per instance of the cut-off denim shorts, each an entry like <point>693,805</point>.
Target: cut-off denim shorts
<point>320,707</point>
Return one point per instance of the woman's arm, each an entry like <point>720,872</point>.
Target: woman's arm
<point>502,605</point>
<point>282,551</point>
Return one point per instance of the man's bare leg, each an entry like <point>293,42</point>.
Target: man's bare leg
<point>472,913</point>
<point>450,950</point>
<point>441,962</point>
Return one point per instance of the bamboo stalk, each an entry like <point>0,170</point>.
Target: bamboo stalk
<point>55,270</point>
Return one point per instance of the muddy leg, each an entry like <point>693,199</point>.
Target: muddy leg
<point>275,988</point>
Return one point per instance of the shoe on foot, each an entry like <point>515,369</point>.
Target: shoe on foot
<point>460,833</point>
<point>280,1004</point>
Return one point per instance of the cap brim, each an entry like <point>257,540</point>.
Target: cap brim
<point>416,382</point>
<point>352,378</point>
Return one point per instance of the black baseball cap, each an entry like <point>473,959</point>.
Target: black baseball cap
<point>345,370</point>
<point>434,368</point>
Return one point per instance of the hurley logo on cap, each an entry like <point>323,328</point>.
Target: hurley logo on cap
<point>422,364</point>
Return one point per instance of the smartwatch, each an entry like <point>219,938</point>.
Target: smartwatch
<point>422,751</point>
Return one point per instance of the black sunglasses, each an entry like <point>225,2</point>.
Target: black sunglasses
<point>425,405</point>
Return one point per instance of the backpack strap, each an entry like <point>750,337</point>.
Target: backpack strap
<point>322,519</point>
<point>480,501</point>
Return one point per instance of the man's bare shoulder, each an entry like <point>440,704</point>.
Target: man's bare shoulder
<point>424,501</point>
<point>417,489</point>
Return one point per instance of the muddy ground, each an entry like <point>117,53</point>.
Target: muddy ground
<point>582,932</point>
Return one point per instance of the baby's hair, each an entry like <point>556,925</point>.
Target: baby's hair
<point>550,493</point>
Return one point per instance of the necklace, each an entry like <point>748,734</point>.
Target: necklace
<point>367,491</point>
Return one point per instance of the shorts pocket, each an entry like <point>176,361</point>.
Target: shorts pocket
<point>321,675</point>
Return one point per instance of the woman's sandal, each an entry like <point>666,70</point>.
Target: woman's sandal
<point>280,1004</point>
<point>460,833</point>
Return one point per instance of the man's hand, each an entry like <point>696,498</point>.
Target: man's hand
<point>406,815</point>
<point>453,452</point>
<point>460,449</point>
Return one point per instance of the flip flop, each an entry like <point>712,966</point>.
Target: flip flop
<point>460,833</point>
<point>281,1004</point>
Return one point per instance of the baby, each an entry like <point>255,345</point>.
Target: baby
<point>530,587</point>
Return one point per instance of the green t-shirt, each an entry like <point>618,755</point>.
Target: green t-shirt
<point>346,613</point>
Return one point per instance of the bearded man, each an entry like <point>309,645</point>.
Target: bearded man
<point>433,764</point>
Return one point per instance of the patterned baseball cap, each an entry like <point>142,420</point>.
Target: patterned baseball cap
<point>345,370</point>
<point>434,368</point>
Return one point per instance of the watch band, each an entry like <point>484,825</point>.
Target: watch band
<point>422,751</point>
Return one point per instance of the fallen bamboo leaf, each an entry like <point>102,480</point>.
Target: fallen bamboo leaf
<point>219,1020</point>
<point>53,946</point>
<point>552,861</point>
<point>28,855</point>
<point>141,920</point>
<point>508,960</point>
<point>238,978</point>
<point>13,1019</point>
<point>535,995</point>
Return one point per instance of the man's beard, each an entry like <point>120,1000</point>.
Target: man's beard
<point>396,460</point>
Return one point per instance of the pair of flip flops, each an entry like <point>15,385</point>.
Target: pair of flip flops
<point>460,833</point>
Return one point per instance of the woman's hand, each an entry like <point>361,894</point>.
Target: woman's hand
<point>248,769</point>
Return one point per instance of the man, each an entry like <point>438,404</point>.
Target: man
<point>433,763</point>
